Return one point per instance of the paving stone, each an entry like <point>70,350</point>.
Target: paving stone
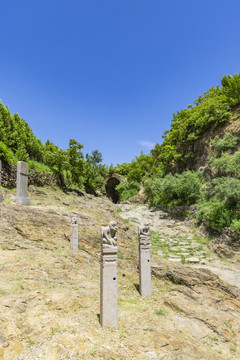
<point>174,249</point>
<point>194,260</point>
<point>175,259</point>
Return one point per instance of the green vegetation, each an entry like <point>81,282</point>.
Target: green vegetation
<point>160,312</point>
<point>189,124</point>
<point>164,173</point>
<point>127,189</point>
<point>70,167</point>
<point>217,198</point>
<point>179,189</point>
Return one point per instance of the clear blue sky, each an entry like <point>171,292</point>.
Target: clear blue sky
<point>110,73</point>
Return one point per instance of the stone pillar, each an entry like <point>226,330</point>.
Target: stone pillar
<point>22,184</point>
<point>1,196</point>
<point>74,235</point>
<point>144,260</point>
<point>108,273</point>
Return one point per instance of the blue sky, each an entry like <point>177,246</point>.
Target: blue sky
<point>110,73</point>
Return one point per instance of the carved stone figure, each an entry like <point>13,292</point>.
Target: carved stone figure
<point>144,234</point>
<point>108,235</point>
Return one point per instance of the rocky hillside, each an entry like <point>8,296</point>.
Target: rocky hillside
<point>202,145</point>
<point>49,306</point>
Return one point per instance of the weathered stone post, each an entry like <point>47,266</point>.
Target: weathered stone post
<point>74,235</point>
<point>1,196</point>
<point>109,263</point>
<point>22,184</point>
<point>144,260</point>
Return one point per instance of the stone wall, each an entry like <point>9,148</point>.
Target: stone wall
<point>9,177</point>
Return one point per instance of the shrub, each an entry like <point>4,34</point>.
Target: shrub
<point>39,167</point>
<point>179,189</point>
<point>214,214</point>
<point>228,142</point>
<point>227,165</point>
<point>127,189</point>
<point>221,206</point>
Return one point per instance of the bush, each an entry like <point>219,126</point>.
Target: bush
<point>227,165</point>
<point>39,167</point>
<point>214,214</point>
<point>179,189</point>
<point>127,189</point>
<point>228,142</point>
<point>221,206</point>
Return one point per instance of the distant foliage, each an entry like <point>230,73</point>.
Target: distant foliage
<point>168,183</point>
<point>136,173</point>
<point>17,142</point>
<point>231,88</point>
<point>94,171</point>
<point>220,145</point>
<point>6,154</point>
<point>179,189</point>
<point>127,189</point>
<point>18,137</point>
<point>227,165</point>
<point>220,206</point>
<point>136,170</point>
<point>187,126</point>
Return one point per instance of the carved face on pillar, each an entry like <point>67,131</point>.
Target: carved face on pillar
<point>145,229</point>
<point>144,234</point>
<point>74,220</point>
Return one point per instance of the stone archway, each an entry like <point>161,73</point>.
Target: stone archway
<point>112,181</point>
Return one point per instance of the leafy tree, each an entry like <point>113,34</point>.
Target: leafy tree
<point>95,172</point>
<point>231,88</point>
<point>58,160</point>
<point>76,161</point>
<point>6,154</point>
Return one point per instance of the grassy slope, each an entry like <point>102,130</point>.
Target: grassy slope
<point>50,297</point>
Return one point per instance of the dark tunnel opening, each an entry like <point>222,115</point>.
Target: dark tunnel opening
<point>111,189</point>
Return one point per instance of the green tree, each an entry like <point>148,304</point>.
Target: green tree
<point>76,161</point>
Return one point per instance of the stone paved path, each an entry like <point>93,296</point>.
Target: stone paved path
<point>176,241</point>
<point>171,239</point>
